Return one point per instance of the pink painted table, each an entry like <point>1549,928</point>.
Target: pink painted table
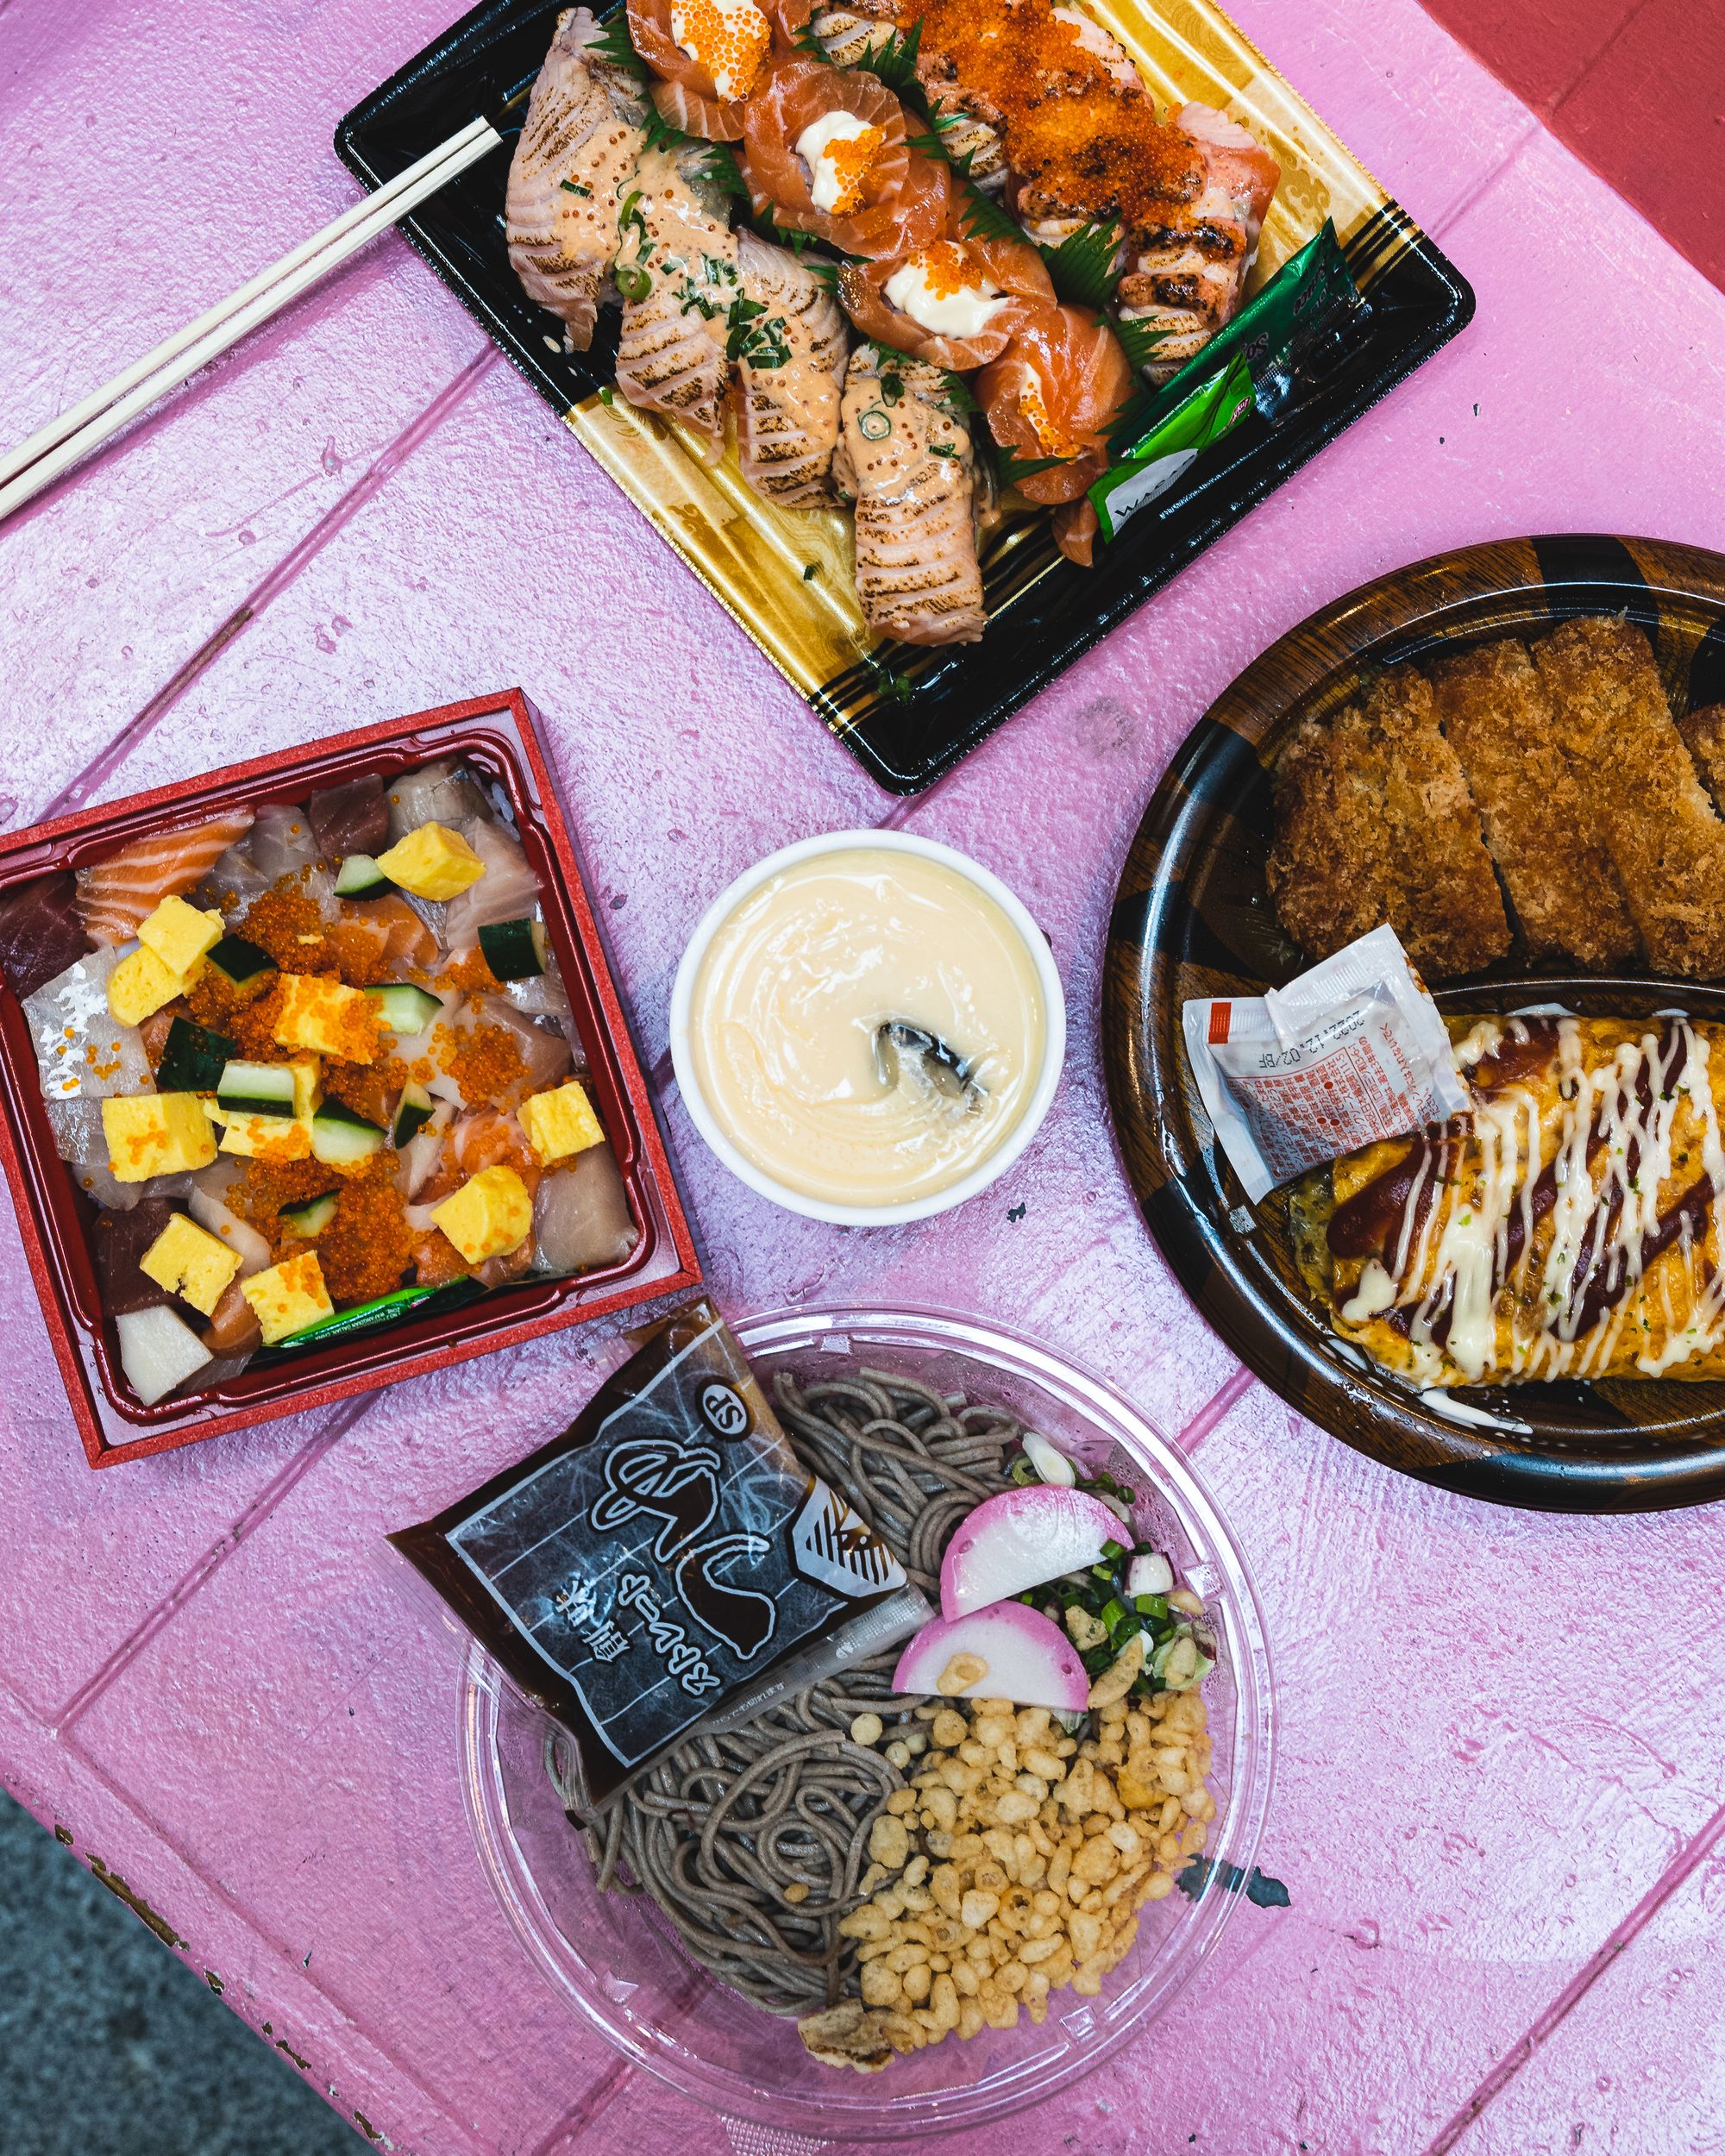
<point>1499,1804</point>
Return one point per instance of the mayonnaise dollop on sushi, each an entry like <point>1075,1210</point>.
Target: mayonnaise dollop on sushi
<point>933,290</point>
<point>729,38</point>
<point>838,149</point>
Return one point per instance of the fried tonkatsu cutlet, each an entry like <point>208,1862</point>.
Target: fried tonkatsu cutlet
<point>1614,721</point>
<point>1538,821</point>
<point>1704,736</point>
<point>1374,822</point>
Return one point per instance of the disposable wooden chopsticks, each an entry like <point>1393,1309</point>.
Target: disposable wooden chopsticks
<point>38,462</point>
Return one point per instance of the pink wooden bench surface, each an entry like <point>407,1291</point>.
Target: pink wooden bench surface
<point>1499,1790</point>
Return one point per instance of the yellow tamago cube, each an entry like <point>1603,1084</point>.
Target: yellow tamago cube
<point>140,985</point>
<point>156,1134</point>
<point>188,1262</point>
<point>179,934</point>
<point>289,1296</point>
<point>327,1018</point>
<point>490,1215</point>
<point>266,1136</point>
<point>432,862</point>
<point>560,1122</point>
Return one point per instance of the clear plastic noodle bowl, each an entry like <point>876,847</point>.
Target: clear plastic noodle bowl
<point>617,1964</point>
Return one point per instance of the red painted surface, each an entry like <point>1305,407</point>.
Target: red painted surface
<point>1635,87</point>
<point>1498,1797</point>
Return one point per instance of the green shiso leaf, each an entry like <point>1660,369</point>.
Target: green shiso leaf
<point>893,60</point>
<point>614,45</point>
<point>1085,266</point>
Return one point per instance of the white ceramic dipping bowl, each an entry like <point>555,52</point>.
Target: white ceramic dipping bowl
<point>987,1170</point>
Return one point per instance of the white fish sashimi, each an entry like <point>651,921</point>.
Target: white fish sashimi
<point>281,841</point>
<point>508,891</point>
<point>577,149</point>
<point>789,374</point>
<point>81,1051</point>
<point>581,1219</point>
<point>82,1144</point>
<point>444,794</point>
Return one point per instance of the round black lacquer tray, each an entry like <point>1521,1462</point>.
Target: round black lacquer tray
<point>1193,917</point>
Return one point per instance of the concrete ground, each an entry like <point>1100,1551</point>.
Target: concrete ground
<point>111,2046</point>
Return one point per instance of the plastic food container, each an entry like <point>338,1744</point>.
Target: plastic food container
<point>615,1962</point>
<point>495,734</point>
<point>988,1170</point>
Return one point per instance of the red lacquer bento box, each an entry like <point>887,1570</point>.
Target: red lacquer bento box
<point>495,735</point>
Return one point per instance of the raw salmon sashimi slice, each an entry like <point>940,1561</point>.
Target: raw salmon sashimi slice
<point>478,1137</point>
<point>906,459</point>
<point>1187,277</point>
<point>955,303</point>
<point>827,147</point>
<point>1054,392</point>
<point>579,146</point>
<point>708,56</point>
<point>676,268</point>
<point>916,217</point>
<point>115,895</point>
<point>790,365</point>
<point>401,938</point>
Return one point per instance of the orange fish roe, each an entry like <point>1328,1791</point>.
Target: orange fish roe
<point>215,1001</point>
<point>729,38</point>
<point>470,972</point>
<point>287,922</point>
<point>850,158</point>
<point>947,268</point>
<point>367,1247</point>
<point>484,1060</point>
<point>1074,134</point>
<point>265,1186</point>
<point>1054,439</point>
<point>362,1087</point>
<point>251,1028</point>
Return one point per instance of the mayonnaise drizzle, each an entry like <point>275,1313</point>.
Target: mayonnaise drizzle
<point>1471,1265</point>
<point>945,310</point>
<point>829,185</point>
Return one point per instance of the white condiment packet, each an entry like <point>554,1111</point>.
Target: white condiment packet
<point>1353,1051</point>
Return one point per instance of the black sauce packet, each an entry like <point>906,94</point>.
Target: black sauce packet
<point>665,1559</point>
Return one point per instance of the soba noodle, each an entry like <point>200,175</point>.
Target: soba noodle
<point>753,1841</point>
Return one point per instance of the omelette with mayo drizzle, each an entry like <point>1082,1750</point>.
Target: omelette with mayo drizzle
<point>1572,1227</point>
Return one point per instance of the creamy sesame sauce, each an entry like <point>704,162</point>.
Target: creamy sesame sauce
<point>790,997</point>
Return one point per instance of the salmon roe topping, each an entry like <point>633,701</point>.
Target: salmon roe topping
<point>729,42</point>
<point>484,1061</point>
<point>850,157</point>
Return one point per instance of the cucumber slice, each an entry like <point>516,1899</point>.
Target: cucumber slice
<point>239,961</point>
<point>255,1089</point>
<point>368,1316</point>
<point>360,877</point>
<point>405,1009</point>
<point>341,1139</point>
<point>413,1111</point>
<point>192,1059</point>
<point>515,950</point>
<point>312,1217</point>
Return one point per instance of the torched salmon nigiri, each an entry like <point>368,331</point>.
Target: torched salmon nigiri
<point>579,144</point>
<point>790,352</point>
<point>676,268</point>
<point>906,458</point>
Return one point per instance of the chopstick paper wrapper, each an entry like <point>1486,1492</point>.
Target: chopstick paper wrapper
<point>1353,1051</point>
<point>1281,342</point>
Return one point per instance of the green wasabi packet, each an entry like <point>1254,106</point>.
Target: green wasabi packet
<point>1254,364</point>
